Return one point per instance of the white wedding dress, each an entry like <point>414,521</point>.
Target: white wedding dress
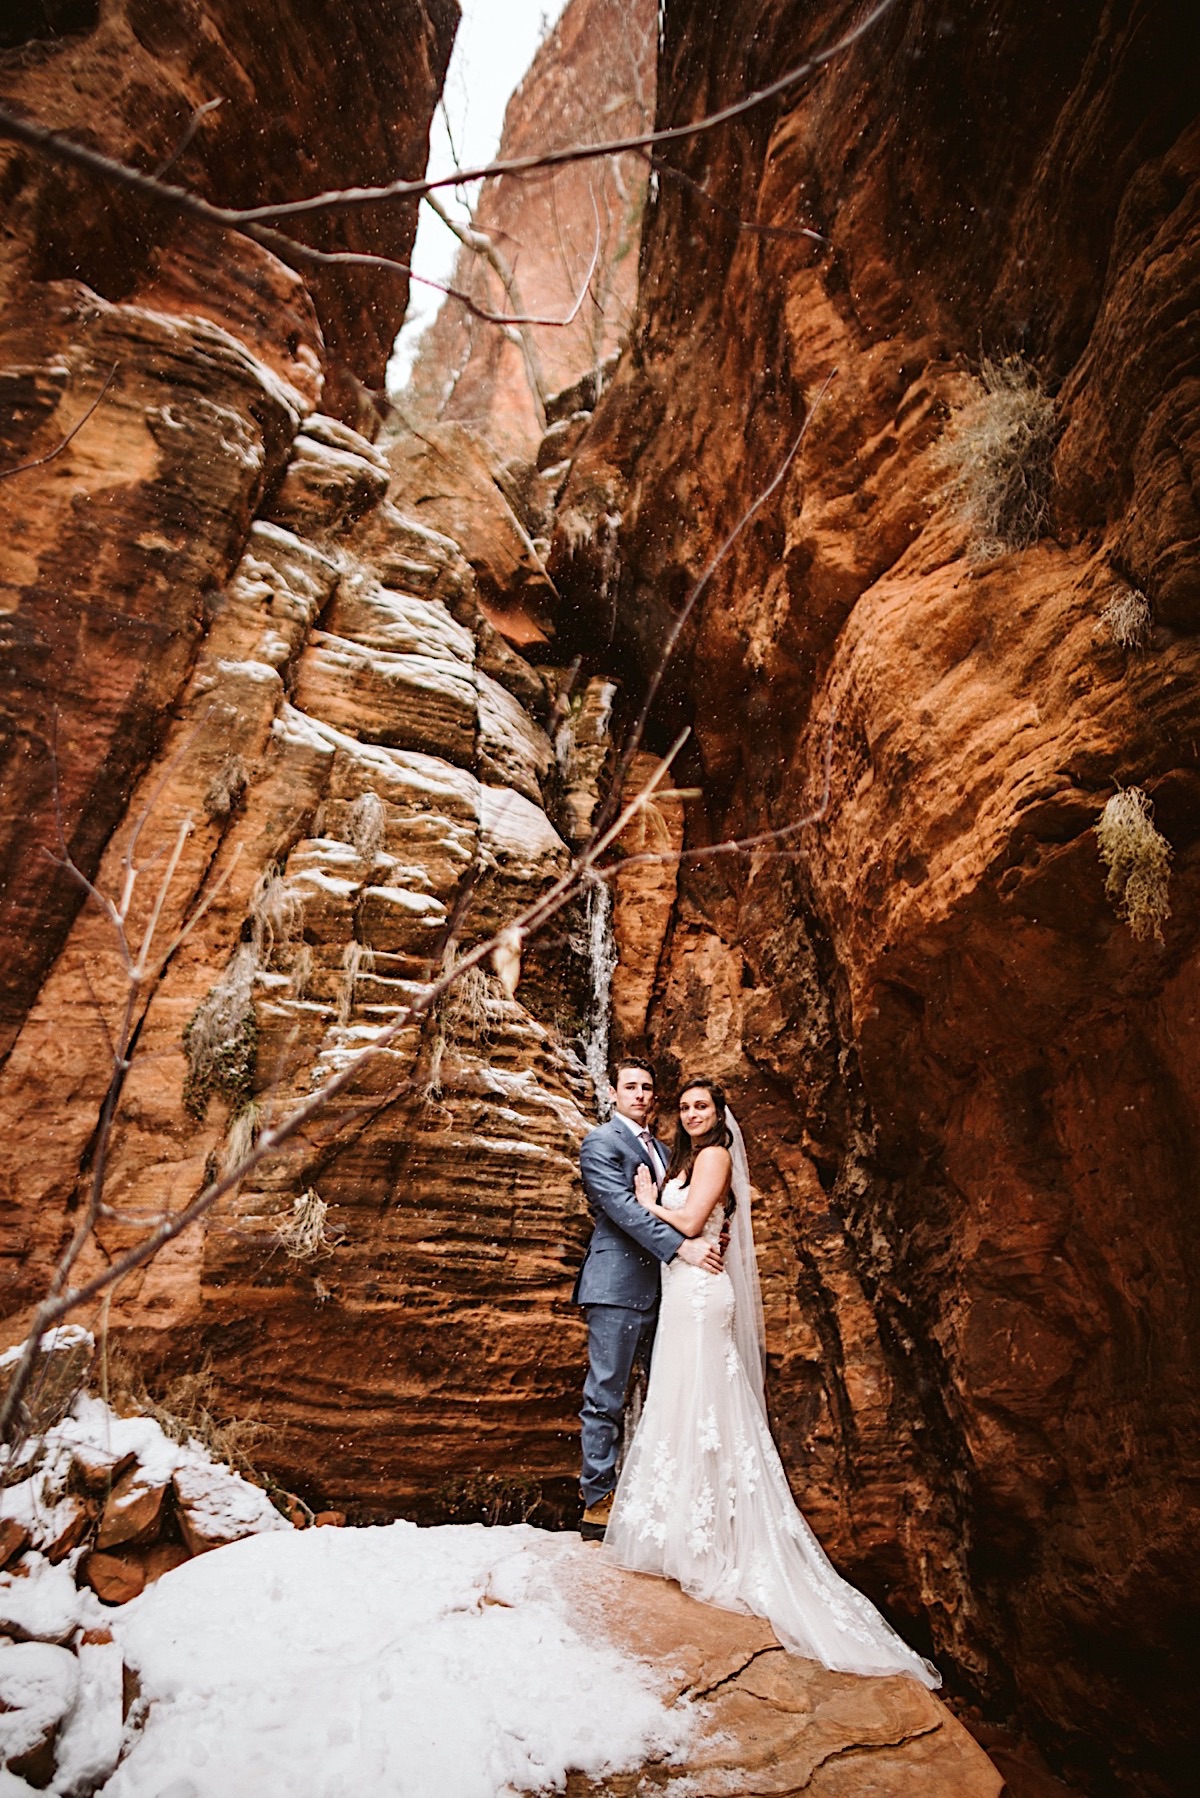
<point>703,1498</point>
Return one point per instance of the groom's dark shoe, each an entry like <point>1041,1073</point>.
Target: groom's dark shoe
<point>595,1519</point>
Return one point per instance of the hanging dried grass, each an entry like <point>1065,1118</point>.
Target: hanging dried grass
<point>998,452</point>
<point>1129,618</point>
<point>303,1237</point>
<point>1138,859</point>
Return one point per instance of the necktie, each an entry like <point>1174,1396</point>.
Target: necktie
<point>647,1142</point>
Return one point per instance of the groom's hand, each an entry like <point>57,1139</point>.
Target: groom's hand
<point>698,1253</point>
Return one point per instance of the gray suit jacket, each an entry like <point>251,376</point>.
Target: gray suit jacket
<point>622,1262</point>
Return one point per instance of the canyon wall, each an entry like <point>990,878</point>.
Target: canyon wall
<point>568,238</point>
<point>970,1090</point>
<point>212,351</point>
<point>255,697</point>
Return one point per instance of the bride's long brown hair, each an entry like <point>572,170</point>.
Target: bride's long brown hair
<point>683,1156</point>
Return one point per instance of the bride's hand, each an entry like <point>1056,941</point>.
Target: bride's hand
<point>644,1189</point>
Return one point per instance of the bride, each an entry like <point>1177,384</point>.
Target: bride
<point>703,1498</point>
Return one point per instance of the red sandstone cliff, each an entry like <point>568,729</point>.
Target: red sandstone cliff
<point>592,79</point>
<point>972,1093</point>
<point>222,620</point>
<point>216,349</point>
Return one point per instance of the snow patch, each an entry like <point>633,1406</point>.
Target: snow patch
<point>400,1660</point>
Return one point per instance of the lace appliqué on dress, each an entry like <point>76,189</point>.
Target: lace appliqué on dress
<point>709,1435</point>
<point>704,1498</point>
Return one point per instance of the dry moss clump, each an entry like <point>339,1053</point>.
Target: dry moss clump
<point>302,1237</point>
<point>187,1409</point>
<point>221,1038</point>
<point>998,453</point>
<point>1129,618</point>
<point>1138,859</point>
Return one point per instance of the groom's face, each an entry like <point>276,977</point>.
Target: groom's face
<point>634,1095</point>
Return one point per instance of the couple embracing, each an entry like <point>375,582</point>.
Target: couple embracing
<point>702,1497</point>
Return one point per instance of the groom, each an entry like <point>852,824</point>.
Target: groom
<point>618,1284</point>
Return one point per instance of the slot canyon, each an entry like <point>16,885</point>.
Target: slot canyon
<point>359,673</point>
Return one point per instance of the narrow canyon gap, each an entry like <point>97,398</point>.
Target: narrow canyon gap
<point>971,1092</point>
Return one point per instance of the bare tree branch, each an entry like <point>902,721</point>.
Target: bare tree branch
<point>189,132</point>
<point>739,845</point>
<point>6,474</point>
<point>248,219</point>
<point>481,243</point>
<point>337,199</point>
<point>662,167</point>
<point>690,603</point>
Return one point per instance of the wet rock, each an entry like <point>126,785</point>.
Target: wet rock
<point>73,1522</point>
<point>134,1510</point>
<point>114,1578</point>
<point>644,893</point>
<point>561,440</point>
<point>14,1540</point>
<point>447,474</point>
<point>96,1469</point>
<point>39,1684</point>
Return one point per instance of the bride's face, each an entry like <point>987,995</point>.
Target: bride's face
<point>697,1113</point>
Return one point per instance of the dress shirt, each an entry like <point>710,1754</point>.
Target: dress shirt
<point>646,1138</point>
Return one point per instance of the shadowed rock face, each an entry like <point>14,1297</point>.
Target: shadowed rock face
<point>970,1093</point>
<point>110,553</point>
<point>310,97</point>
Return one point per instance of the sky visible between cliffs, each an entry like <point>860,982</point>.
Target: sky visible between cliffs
<point>494,47</point>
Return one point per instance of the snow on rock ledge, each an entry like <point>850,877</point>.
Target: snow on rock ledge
<point>393,1659</point>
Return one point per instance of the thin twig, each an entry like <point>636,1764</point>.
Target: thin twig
<point>337,199</point>
<point>662,167</point>
<point>6,474</point>
<point>189,132</point>
<point>248,219</point>
<point>477,240</point>
<point>676,631</point>
<point>739,845</point>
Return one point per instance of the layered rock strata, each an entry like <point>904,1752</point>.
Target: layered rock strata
<point>238,652</point>
<point>970,1089</point>
<point>355,795</point>
<point>207,351</point>
<point>556,248</point>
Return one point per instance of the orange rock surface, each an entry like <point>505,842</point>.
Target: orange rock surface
<point>772,1723</point>
<point>561,235</point>
<point>970,1092</point>
<point>971,1095</point>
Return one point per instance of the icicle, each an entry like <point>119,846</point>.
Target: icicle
<point>602,956</point>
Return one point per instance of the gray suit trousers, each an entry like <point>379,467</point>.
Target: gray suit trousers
<point>616,1334</point>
